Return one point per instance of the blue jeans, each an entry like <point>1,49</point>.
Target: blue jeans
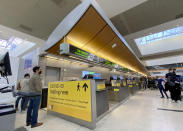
<point>24,103</point>
<point>32,112</point>
<point>17,101</point>
<point>163,91</point>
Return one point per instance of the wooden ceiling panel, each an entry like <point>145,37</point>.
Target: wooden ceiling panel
<point>101,40</point>
<point>119,52</point>
<point>56,48</point>
<point>86,29</point>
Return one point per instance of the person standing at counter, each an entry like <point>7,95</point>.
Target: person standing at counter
<point>35,87</point>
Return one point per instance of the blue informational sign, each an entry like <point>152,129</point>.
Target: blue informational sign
<point>27,64</point>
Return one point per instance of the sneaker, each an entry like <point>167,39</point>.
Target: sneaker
<point>38,124</point>
<point>162,97</point>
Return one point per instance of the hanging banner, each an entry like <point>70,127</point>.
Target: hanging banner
<point>71,98</point>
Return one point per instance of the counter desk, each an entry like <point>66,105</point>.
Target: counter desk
<point>101,97</point>
<point>118,91</point>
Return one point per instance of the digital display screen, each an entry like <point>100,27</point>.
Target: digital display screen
<point>96,76</point>
<point>69,49</point>
<point>120,77</point>
<point>114,77</point>
<point>87,73</point>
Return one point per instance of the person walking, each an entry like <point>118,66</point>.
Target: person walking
<point>161,86</point>
<point>35,88</point>
<point>171,78</point>
<point>23,85</point>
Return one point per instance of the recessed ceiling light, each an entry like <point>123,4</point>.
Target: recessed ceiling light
<point>114,45</point>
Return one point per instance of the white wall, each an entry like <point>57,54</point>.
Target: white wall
<point>33,55</point>
<point>169,44</point>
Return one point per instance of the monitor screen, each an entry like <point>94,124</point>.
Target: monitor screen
<point>120,77</point>
<point>86,73</point>
<point>96,76</point>
<point>114,77</point>
<point>5,66</point>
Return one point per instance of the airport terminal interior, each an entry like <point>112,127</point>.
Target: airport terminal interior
<point>83,65</point>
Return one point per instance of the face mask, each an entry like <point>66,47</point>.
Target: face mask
<point>40,72</point>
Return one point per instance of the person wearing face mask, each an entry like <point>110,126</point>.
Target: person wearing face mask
<point>171,78</point>
<point>35,87</point>
<point>23,85</point>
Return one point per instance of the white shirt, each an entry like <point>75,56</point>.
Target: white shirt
<point>24,84</point>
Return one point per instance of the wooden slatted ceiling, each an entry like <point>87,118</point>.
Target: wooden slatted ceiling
<point>87,28</point>
<point>92,34</point>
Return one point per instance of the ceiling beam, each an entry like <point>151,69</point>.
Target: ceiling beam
<point>162,55</point>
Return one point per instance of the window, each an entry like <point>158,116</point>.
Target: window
<point>10,44</point>
<point>160,35</point>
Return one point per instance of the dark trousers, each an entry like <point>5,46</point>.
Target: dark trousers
<point>163,91</point>
<point>17,101</point>
<point>24,102</point>
<point>32,112</point>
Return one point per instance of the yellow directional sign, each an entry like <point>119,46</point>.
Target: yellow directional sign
<point>118,84</point>
<point>72,98</point>
<point>116,89</point>
<point>130,85</point>
<point>124,83</point>
<point>100,86</point>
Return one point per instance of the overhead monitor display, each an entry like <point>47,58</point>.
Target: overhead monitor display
<point>84,73</point>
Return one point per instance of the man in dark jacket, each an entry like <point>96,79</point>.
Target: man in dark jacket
<point>35,88</point>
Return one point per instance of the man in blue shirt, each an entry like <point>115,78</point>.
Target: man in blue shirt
<point>161,86</point>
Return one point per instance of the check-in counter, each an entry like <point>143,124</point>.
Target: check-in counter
<point>102,103</point>
<point>133,86</point>
<point>118,91</point>
<point>136,85</point>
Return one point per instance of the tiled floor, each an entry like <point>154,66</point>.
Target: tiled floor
<point>139,113</point>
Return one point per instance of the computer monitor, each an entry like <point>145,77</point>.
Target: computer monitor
<point>114,77</point>
<point>5,66</point>
<point>96,76</point>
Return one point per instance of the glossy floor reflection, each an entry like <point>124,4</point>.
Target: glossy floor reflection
<point>139,113</point>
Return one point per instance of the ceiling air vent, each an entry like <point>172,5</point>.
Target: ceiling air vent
<point>26,28</point>
<point>179,16</point>
<point>57,2</point>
